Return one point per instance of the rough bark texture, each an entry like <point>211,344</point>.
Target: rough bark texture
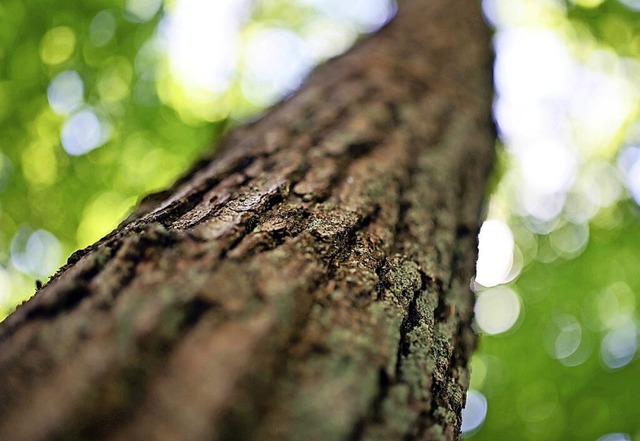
<point>310,281</point>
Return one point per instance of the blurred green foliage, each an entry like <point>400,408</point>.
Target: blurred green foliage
<point>575,303</point>
<point>611,22</point>
<point>79,198</point>
<point>565,371</point>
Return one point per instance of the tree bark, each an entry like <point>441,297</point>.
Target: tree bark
<point>309,281</point>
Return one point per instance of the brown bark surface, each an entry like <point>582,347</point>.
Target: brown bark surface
<point>310,281</point>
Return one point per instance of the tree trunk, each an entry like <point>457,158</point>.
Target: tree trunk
<point>307,282</point>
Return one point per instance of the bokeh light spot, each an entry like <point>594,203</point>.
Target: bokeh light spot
<point>629,164</point>
<point>367,15</point>
<point>619,346</point>
<point>567,341</point>
<point>276,62</point>
<point>495,253</point>
<point>57,45</point>
<point>83,132</point>
<point>599,185</point>
<point>141,10</point>
<point>102,28</point>
<point>541,209</point>
<point>65,92</point>
<point>616,305</point>
<point>478,372</point>
<point>570,239</point>
<point>202,40</point>
<point>37,253</point>
<point>532,66</point>
<point>115,80</point>
<point>40,164</point>
<point>600,104</point>
<point>497,309</point>
<point>474,412</point>
<point>569,337</point>
<point>547,167</point>
<point>588,3</point>
<point>633,4</point>
<point>325,38</point>
<point>615,437</point>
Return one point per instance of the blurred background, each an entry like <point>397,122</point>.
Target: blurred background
<point>103,101</point>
